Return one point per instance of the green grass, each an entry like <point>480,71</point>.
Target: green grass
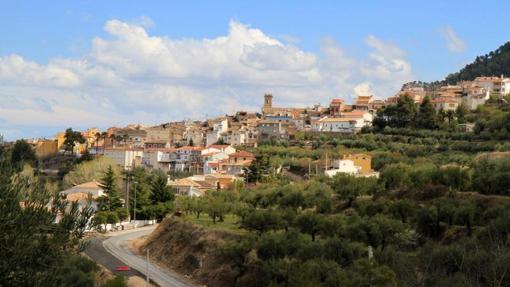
<point>230,222</point>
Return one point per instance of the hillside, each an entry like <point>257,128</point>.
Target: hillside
<point>194,251</point>
<point>495,63</point>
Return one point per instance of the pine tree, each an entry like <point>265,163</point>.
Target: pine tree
<point>109,184</point>
<point>427,117</point>
<point>160,192</point>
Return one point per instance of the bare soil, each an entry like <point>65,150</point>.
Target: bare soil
<point>191,250</point>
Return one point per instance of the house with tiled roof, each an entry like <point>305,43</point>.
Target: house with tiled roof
<point>83,193</point>
<point>445,103</point>
<point>213,155</point>
<point>198,185</point>
<point>237,162</point>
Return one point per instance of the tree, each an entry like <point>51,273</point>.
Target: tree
<point>258,169</point>
<point>396,176</point>
<point>108,183</point>
<point>368,273</point>
<point>461,112</point>
<point>428,222</point>
<point>216,207</point>
<point>399,115</point>
<point>465,214</point>
<point>310,223</point>
<point>112,218</point>
<point>71,138</point>
<point>36,250</point>
<point>402,209</point>
<point>89,171</point>
<point>99,221</point>
<point>349,187</point>
<point>122,213</point>
<point>22,153</point>
<point>492,176</point>
<point>117,281</point>
<point>426,118</point>
<point>260,220</point>
<point>160,191</point>
<point>198,206</point>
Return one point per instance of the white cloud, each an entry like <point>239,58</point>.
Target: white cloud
<point>131,76</point>
<point>364,89</point>
<point>454,43</point>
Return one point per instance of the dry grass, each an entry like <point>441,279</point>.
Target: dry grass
<point>230,222</point>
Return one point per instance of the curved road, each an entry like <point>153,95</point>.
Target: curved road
<point>117,246</point>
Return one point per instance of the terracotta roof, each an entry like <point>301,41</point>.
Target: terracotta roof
<point>242,153</point>
<point>338,119</point>
<point>78,196</point>
<point>88,185</point>
<point>184,182</point>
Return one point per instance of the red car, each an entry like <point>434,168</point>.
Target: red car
<point>122,268</point>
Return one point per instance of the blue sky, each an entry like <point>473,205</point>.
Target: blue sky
<point>393,40</point>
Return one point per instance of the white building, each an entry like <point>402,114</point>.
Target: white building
<point>188,158</point>
<point>219,126</point>
<point>505,86</point>
<point>472,100</point>
<point>445,104</point>
<point>339,125</point>
<point>213,155</point>
<point>343,166</point>
<point>127,158</point>
<point>159,159</point>
<point>235,137</point>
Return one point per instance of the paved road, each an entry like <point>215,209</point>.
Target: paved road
<point>96,251</point>
<point>117,246</point>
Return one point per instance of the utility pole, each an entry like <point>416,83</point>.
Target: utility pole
<point>127,195</point>
<point>326,168</point>
<point>148,281</point>
<point>134,210</point>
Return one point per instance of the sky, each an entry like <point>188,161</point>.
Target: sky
<point>87,64</point>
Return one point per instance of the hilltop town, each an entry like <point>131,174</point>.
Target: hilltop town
<point>409,189</point>
<point>205,147</point>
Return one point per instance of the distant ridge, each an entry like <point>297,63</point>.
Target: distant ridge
<point>495,63</point>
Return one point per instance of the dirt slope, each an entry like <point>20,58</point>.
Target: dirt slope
<point>191,250</point>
